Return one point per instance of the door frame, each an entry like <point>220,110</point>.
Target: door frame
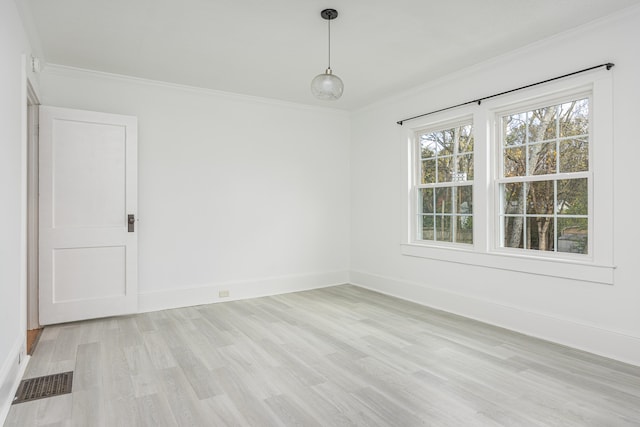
<point>33,101</point>
<point>30,99</point>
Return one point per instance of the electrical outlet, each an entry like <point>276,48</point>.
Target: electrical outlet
<point>223,294</point>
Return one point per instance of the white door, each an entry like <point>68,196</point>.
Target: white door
<point>88,195</point>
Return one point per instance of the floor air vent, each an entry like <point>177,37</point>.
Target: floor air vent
<point>42,387</point>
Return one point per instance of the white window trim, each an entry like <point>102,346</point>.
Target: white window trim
<point>598,266</point>
<point>563,96</point>
<point>415,168</point>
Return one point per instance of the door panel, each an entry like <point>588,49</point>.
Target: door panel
<point>89,175</point>
<point>88,186</point>
<point>88,273</point>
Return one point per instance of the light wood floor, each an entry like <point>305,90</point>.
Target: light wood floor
<point>331,357</point>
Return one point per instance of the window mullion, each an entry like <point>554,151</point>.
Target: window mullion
<point>550,177</point>
<point>555,216</point>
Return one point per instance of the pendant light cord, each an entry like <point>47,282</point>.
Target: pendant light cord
<point>329,23</point>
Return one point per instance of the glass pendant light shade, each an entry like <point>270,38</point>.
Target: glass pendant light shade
<point>327,86</point>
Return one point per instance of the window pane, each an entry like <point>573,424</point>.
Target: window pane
<point>540,197</point>
<point>513,202</point>
<point>514,162</point>
<point>514,129</point>
<point>540,234</point>
<point>542,158</point>
<point>574,155</point>
<point>427,147</point>
<point>465,166</point>
<point>425,200</point>
<point>443,200</point>
<point>445,213</point>
<point>466,139</point>
<point>464,229</point>
<point>432,144</point>
<point>425,227</point>
<point>542,124</point>
<point>574,118</point>
<point>444,232</point>
<point>447,146</point>
<point>513,231</point>
<point>445,168</point>
<point>464,199</point>
<point>543,143</point>
<point>428,175</point>
<point>573,235</point>
<point>573,197</point>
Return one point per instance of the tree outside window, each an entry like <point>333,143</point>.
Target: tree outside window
<point>445,184</point>
<point>544,183</point>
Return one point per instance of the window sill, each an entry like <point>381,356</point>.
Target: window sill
<point>562,268</point>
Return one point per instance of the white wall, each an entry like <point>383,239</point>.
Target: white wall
<point>13,45</point>
<point>600,318</point>
<point>235,192</point>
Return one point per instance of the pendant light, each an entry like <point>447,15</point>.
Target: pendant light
<point>327,86</point>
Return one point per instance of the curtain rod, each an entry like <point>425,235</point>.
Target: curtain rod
<point>609,65</point>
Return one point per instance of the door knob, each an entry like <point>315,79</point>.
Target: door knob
<point>131,220</point>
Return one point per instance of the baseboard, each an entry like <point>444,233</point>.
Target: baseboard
<point>603,342</point>
<point>11,373</point>
<point>185,297</point>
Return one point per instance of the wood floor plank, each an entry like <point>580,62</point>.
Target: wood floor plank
<point>338,356</point>
<point>39,366</point>
<point>89,367</point>
<point>224,411</point>
<point>88,408</point>
<point>199,377</point>
<point>289,412</point>
<point>154,410</point>
<point>240,391</point>
<point>66,343</point>
<point>158,350</point>
<point>23,414</point>
<point>182,400</point>
<point>357,413</point>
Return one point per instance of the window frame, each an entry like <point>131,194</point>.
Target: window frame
<point>498,169</point>
<point>598,266</point>
<point>416,185</point>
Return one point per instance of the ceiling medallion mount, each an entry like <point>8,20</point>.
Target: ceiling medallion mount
<point>327,86</point>
<point>329,14</point>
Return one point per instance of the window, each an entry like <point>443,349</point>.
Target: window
<point>444,184</point>
<point>545,177</point>
<point>521,182</point>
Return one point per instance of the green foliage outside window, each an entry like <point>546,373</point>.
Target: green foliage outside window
<point>546,213</point>
<point>445,212</point>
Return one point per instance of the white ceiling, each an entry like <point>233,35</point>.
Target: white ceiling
<point>274,48</point>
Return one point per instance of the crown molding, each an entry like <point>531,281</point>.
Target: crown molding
<point>68,71</point>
